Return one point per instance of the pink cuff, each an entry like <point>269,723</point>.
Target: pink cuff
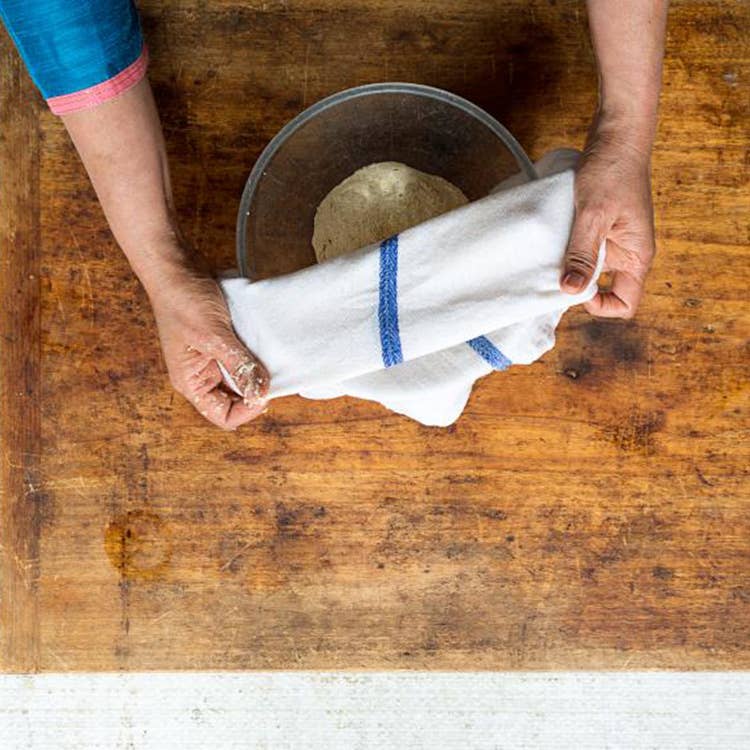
<point>102,92</point>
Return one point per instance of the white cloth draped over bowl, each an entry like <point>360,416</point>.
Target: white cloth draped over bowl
<point>413,321</point>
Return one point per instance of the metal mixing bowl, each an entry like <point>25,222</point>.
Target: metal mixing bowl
<point>427,128</point>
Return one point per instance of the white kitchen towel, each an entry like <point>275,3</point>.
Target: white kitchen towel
<point>486,266</point>
<point>434,389</point>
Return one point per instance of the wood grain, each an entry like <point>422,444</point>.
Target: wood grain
<point>588,511</point>
<point>23,501</point>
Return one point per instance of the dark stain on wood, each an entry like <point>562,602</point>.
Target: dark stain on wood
<point>622,339</point>
<point>138,545</point>
<point>663,573</point>
<point>577,369</point>
<point>635,431</point>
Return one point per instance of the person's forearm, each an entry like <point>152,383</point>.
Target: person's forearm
<point>121,145</point>
<point>628,40</point>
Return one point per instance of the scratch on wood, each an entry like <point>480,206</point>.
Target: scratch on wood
<point>236,555</point>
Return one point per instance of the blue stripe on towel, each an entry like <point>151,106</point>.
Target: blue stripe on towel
<point>390,338</point>
<point>489,353</point>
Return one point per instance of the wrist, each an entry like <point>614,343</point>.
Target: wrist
<point>626,128</point>
<point>631,115</point>
<point>161,265</point>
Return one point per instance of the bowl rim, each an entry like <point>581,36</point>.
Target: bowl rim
<point>367,89</point>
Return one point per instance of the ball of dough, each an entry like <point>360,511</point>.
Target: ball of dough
<point>376,202</point>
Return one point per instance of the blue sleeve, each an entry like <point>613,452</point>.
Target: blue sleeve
<point>75,46</point>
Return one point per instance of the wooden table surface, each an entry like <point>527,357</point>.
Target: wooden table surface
<point>588,511</point>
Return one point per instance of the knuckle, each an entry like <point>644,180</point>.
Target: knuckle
<point>577,261</point>
<point>214,421</point>
<point>215,343</point>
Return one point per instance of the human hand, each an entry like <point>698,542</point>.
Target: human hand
<point>612,202</point>
<point>196,333</point>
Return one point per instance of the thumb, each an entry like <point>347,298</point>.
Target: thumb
<point>589,229</point>
<point>246,371</point>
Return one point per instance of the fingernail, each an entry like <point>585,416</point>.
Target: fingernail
<point>574,279</point>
